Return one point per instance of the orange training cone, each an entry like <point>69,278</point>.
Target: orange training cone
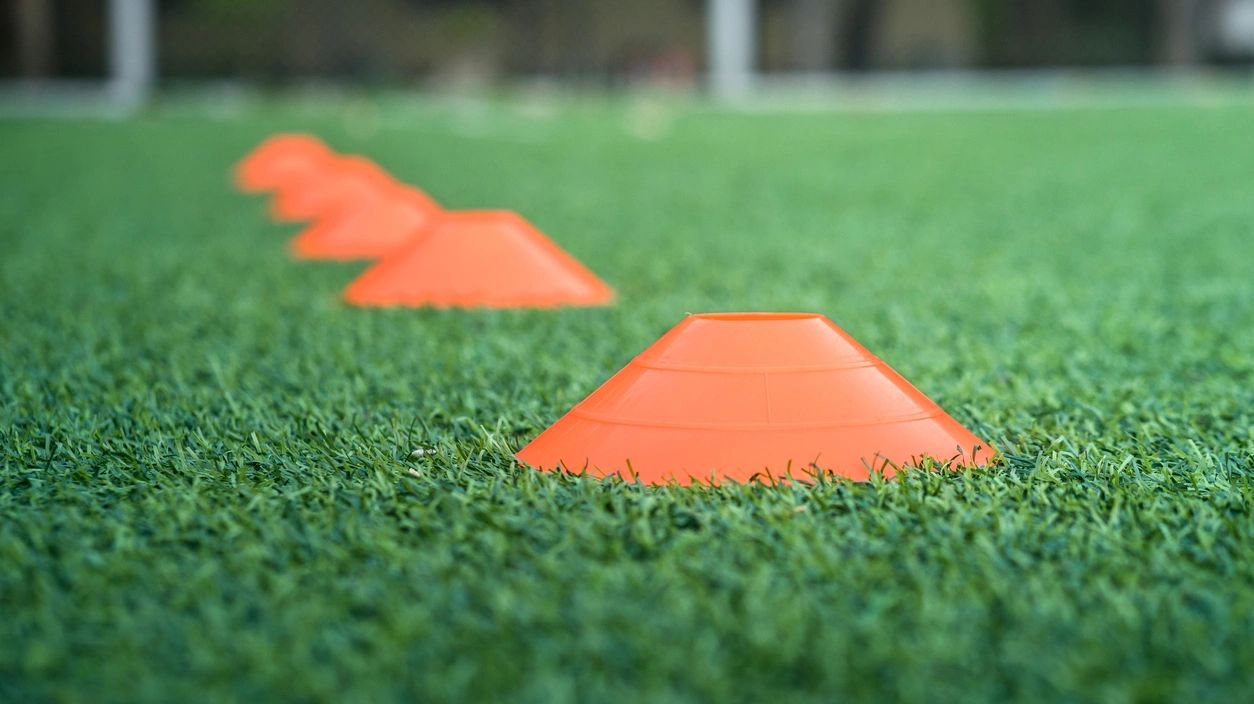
<point>280,160</point>
<point>734,395</point>
<point>479,258</point>
<point>346,180</point>
<point>369,229</point>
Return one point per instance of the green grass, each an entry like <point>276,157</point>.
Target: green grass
<point>208,487</point>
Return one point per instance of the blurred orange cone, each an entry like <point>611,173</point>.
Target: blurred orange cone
<point>347,180</point>
<point>368,229</point>
<point>281,160</point>
<point>731,396</point>
<point>479,258</point>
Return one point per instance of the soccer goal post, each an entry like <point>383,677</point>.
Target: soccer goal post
<point>129,61</point>
<point>132,51</point>
<point>731,38</point>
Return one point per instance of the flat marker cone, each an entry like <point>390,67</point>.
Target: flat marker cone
<point>479,259</point>
<point>731,396</point>
<point>368,229</point>
<point>348,179</point>
<point>281,160</point>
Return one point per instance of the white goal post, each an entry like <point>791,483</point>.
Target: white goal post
<point>132,51</point>
<point>731,39</point>
<point>131,63</point>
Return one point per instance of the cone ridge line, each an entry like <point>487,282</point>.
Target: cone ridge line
<point>654,363</point>
<point>607,419</point>
<point>591,281</point>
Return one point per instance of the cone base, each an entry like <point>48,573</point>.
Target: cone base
<point>660,455</point>
<point>469,300</point>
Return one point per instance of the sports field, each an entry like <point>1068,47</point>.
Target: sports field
<point>219,482</point>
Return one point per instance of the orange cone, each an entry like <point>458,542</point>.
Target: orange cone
<point>737,395</point>
<point>280,160</point>
<point>368,229</point>
<point>347,180</point>
<point>479,258</point>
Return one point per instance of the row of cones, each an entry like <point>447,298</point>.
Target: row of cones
<point>723,396</point>
<point>428,256</point>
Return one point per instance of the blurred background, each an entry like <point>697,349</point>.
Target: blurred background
<point>127,48</point>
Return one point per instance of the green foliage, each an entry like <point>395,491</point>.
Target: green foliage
<point>209,484</point>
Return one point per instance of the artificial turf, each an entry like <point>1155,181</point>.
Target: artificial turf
<point>219,482</point>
